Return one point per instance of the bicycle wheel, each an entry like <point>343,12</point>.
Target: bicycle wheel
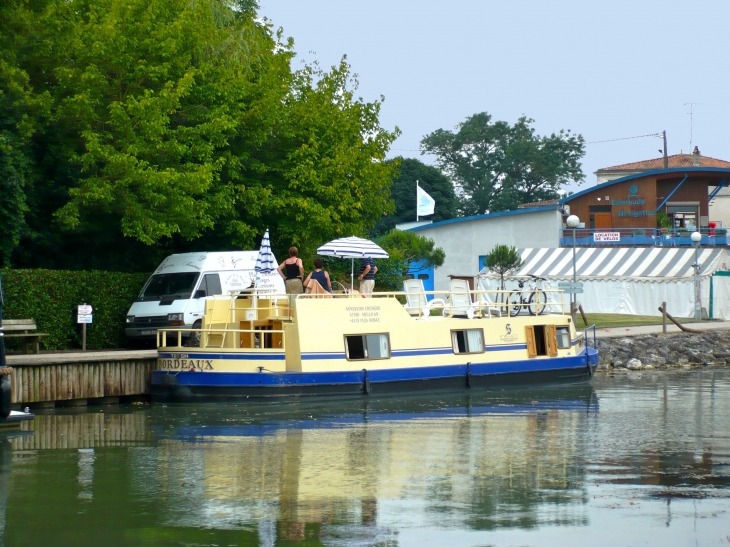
<point>537,303</point>
<point>515,302</point>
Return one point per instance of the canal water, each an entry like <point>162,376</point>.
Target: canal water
<point>636,459</point>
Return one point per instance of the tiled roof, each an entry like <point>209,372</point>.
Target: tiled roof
<point>676,161</point>
<point>538,204</point>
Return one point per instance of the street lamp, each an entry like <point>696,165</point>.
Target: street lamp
<point>573,222</point>
<point>696,238</point>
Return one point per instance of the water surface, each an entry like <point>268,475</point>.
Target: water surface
<point>632,460</point>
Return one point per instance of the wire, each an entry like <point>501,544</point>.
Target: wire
<point>627,138</point>
<point>592,142</point>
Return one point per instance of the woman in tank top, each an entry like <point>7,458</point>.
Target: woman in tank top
<point>321,276</point>
<point>294,272</point>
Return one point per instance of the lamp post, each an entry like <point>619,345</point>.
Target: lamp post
<point>573,222</point>
<point>696,238</point>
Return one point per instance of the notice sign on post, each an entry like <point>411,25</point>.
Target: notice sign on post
<point>606,237</point>
<point>84,317</point>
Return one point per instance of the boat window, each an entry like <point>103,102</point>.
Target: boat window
<point>367,346</point>
<point>468,341</point>
<point>563,334</point>
<point>423,276</point>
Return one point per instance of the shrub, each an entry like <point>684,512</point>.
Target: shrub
<point>51,297</point>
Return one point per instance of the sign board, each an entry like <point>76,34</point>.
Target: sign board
<point>85,309</point>
<point>606,237</point>
<point>571,288</point>
<point>85,319</point>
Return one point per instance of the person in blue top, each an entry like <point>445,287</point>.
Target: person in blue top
<point>368,269</point>
<point>320,275</point>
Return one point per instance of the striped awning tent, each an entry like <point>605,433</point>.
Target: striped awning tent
<point>648,263</point>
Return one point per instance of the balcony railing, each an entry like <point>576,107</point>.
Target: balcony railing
<point>642,237</point>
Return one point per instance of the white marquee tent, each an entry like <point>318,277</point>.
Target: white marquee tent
<point>632,280</point>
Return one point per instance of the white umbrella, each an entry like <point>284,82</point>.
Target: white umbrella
<point>352,247</point>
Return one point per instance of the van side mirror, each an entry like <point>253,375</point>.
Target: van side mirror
<point>200,293</point>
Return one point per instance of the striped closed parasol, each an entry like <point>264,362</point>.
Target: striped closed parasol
<point>266,262</point>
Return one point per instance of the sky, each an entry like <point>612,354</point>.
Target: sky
<point>604,69</point>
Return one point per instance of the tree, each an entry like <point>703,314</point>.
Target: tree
<point>496,166</point>
<point>403,193</point>
<point>502,260</point>
<point>405,247</point>
<point>175,126</point>
<point>322,173</point>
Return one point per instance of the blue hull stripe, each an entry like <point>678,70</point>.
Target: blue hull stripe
<point>283,379</point>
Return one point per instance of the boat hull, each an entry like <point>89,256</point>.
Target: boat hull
<point>200,385</point>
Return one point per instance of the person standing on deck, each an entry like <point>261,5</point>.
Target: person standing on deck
<point>294,272</point>
<point>368,269</point>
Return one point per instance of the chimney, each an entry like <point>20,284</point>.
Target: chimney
<point>696,157</point>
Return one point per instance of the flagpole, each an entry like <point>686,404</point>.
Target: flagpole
<point>416,200</point>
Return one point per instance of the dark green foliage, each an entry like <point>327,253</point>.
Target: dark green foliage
<point>663,220</point>
<point>497,166</point>
<point>403,193</point>
<point>51,296</point>
<point>502,259</point>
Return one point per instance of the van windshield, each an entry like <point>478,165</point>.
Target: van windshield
<point>169,286</point>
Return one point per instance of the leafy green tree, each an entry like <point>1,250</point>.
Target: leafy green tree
<point>497,166</point>
<point>175,126</point>
<point>403,193</point>
<point>502,260</point>
<point>322,173</point>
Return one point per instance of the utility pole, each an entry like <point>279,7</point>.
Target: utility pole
<point>666,158</point>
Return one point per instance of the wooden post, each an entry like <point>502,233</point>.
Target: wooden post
<point>664,317</point>
<point>83,337</point>
<point>582,314</point>
<point>681,327</point>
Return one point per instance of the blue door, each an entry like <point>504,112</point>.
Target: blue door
<point>417,270</point>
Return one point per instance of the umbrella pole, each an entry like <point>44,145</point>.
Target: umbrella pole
<point>352,276</point>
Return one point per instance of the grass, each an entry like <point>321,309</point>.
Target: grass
<point>603,320</point>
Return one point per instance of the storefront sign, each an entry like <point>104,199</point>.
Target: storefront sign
<point>604,237</point>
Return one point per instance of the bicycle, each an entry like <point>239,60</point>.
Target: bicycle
<point>533,297</point>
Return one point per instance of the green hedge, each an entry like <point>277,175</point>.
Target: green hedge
<point>51,297</point>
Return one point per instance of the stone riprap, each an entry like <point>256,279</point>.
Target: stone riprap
<point>661,351</point>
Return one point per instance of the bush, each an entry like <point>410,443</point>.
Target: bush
<point>51,297</point>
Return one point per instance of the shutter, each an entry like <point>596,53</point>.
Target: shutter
<point>551,340</point>
<point>531,349</point>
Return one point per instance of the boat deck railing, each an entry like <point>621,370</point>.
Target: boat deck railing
<point>476,303</point>
<point>262,313</point>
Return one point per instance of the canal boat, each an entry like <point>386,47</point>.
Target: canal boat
<point>253,346</point>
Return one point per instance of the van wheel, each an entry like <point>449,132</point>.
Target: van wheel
<point>193,340</point>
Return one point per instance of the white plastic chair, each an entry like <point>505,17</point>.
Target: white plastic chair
<point>460,301</point>
<point>416,302</point>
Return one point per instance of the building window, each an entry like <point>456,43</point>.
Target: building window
<point>468,341</point>
<point>367,347</point>
<point>563,336</point>
<point>423,277</point>
<point>482,262</point>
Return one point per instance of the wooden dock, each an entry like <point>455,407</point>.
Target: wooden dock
<point>76,379</point>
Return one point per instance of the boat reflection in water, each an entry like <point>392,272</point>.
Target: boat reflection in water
<point>484,461</point>
<point>335,470</point>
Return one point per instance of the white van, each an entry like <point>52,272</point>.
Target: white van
<point>175,294</point>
